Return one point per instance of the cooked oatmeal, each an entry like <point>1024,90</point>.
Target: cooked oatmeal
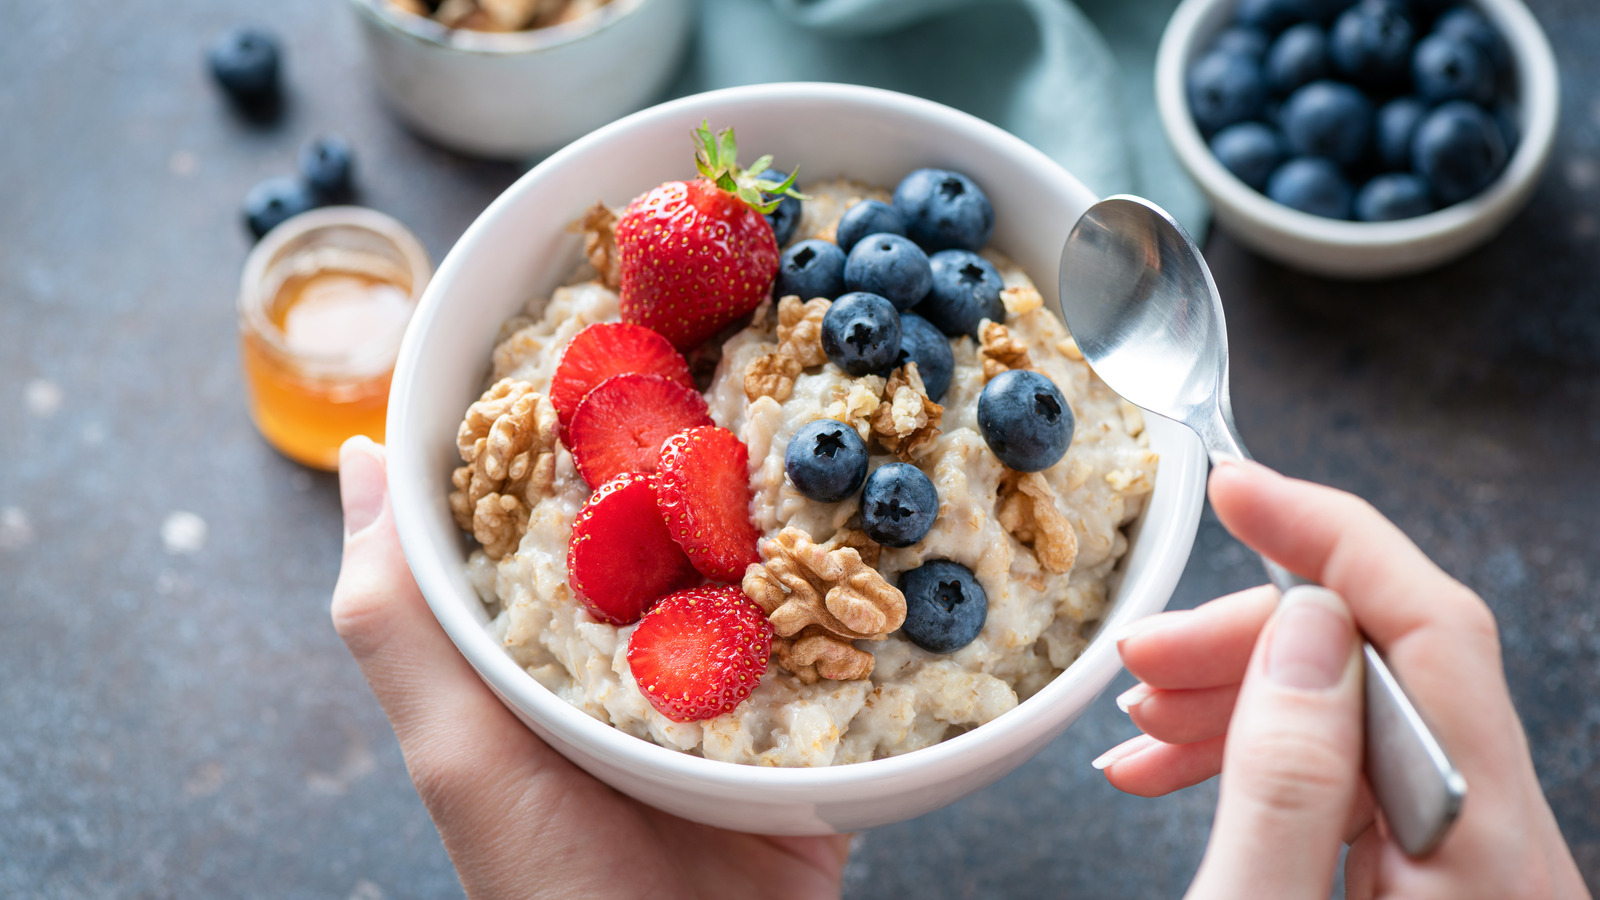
<point>1015,532</point>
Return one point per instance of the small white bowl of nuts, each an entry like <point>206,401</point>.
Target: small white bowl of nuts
<point>508,79</point>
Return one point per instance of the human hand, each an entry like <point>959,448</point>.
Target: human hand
<point>1270,695</point>
<point>517,818</point>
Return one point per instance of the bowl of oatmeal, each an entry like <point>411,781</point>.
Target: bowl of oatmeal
<point>1065,555</point>
<point>510,79</point>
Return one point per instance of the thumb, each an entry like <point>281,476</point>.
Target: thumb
<point>1292,765</point>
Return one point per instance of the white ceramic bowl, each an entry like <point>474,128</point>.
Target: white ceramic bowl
<point>1361,249</point>
<point>520,248</point>
<point>510,96</point>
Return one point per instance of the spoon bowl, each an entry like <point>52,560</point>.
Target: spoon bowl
<point>1139,300</point>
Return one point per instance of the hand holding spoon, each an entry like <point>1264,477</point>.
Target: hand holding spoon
<point>1139,300</point>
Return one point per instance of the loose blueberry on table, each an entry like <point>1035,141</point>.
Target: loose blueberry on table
<point>328,166</point>
<point>272,201</point>
<point>1371,90</point>
<point>246,62</point>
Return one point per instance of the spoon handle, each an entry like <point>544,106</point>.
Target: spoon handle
<point>1416,785</point>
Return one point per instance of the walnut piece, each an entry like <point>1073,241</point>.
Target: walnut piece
<point>800,329</point>
<point>599,229</point>
<point>815,653</point>
<point>771,375</point>
<point>819,598</point>
<point>799,345</point>
<point>1000,350</point>
<point>507,440</point>
<point>1020,299</point>
<point>906,421</point>
<point>1027,509</point>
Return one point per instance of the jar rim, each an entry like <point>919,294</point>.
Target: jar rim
<point>276,246</point>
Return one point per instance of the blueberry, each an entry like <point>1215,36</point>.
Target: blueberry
<point>1271,16</point>
<point>890,266</point>
<point>1396,122</point>
<point>245,61</point>
<point>867,217</point>
<point>1459,149</point>
<point>966,290</point>
<point>943,209</point>
<point>1299,56</point>
<point>1250,150</point>
<point>1371,43</point>
<point>327,165</point>
<point>1396,195</point>
<point>1025,420</point>
<point>1328,119</point>
<point>898,505</point>
<point>1225,88</point>
<point>861,334</point>
<point>1508,116</point>
<point>925,345</point>
<point>786,218</point>
<point>274,200</point>
<point>1313,185</point>
<point>811,268</point>
<point>945,606</point>
<point>1245,40</point>
<point>826,461</point>
<point>1466,23</point>
<point>1445,68</point>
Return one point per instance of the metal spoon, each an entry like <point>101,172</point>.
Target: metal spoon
<point>1139,300</point>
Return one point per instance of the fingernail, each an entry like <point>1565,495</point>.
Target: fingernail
<point>361,484</point>
<point>1124,750</point>
<point>1146,625</point>
<point>1311,639</point>
<point>1134,696</point>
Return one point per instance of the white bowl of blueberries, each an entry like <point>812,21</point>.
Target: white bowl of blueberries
<point>1359,138</point>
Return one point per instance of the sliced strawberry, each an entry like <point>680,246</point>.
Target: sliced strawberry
<point>620,558</point>
<point>605,349</point>
<point>621,423</point>
<point>699,653</point>
<point>705,498</point>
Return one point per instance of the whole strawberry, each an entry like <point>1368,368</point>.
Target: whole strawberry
<point>696,255</point>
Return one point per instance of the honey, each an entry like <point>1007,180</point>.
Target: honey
<point>322,309</point>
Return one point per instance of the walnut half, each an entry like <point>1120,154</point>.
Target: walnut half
<point>816,594</point>
<point>507,440</point>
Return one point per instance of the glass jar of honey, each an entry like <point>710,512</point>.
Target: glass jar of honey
<point>323,303</point>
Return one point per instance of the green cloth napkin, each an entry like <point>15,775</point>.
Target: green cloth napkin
<point>1076,81</point>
